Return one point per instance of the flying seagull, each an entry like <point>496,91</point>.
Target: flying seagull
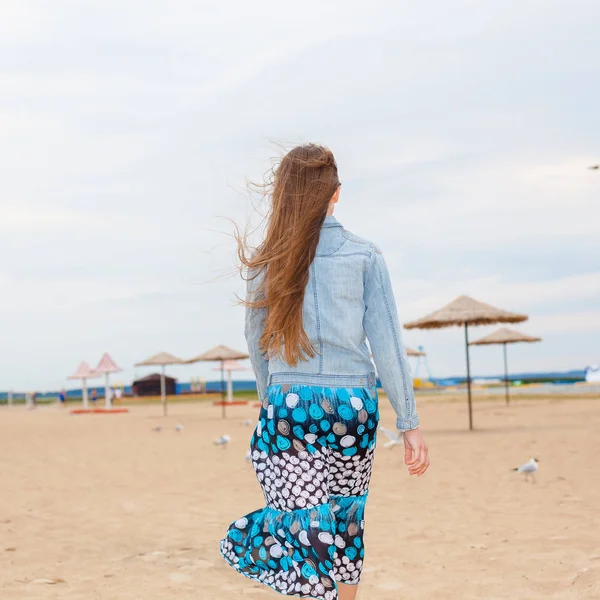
<point>529,469</point>
<point>594,167</point>
<point>394,437</point>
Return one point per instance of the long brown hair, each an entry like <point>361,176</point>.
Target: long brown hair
<point>300,190</point>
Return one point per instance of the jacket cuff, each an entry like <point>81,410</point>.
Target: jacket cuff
<point>408,424</point>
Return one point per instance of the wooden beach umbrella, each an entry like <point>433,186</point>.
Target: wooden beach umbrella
<point>505,336</point>
<point>465,311</point>
<point>84,372</point>
<point>221,354</point>
<point>161,359</point>
<point>412,352</point>
<point>107,366</point>
<point>228,367</point>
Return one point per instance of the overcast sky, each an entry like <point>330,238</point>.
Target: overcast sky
<point>463,132</point>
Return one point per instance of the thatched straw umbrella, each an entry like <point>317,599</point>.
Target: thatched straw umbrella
<point>161,359</point>
<point>411,352</point>
<point>505,336</point>
<point>465,311</point>
<point>220,353</point>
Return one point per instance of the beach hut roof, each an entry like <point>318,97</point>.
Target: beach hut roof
<point>505,336</point>
<point>162,358</point>
<point>465,310</point>
<point>219,353</point>
<point>153,377</point>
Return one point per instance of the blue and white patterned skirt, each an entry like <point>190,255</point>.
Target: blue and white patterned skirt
<point>312,451</point>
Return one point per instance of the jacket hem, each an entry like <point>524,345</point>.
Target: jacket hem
<point>323,379</point>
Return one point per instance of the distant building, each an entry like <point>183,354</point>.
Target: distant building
<point>150,385</point>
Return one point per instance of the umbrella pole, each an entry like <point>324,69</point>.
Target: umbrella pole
<point>229,388</point>
<point>506,375</point>
<point>222,391</point>
<point>107,397</point>
<point>468,377</point>
<point>84,394</point>
<point>163,392</point>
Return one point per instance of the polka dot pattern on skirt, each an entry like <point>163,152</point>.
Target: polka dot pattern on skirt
<point>312,451</point>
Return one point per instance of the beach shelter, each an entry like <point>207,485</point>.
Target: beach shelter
<point>465,311</point>
<point>228,367</point>
<point>84,372</point>
<point>505,336</point>
<point>420,355</point>
<point>150,385</point>
<point>161,359</point>
<point>107,366</point>
<point>221,354</point>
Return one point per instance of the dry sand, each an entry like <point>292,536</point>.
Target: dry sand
<point>101,507</point>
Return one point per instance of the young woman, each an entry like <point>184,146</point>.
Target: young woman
<point>316,293</point>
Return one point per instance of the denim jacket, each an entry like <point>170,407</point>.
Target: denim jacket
<point>348,299</point>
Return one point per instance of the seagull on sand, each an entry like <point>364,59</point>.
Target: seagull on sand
<point>394,437</point>
<point>223,440</point>
<point>179,427</point>
<point>529,469</point>
<point>248,456</point>
<point>247,422</point>
<point>157,428</point>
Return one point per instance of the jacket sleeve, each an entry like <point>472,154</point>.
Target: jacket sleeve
<point>254,327</point>
<point>383,332</point>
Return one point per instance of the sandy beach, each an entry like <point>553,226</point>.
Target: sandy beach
<point>101,507</point>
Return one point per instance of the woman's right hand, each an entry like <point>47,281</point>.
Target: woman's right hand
<point>416,453</point>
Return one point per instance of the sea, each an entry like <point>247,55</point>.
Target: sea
<point>249,385</point>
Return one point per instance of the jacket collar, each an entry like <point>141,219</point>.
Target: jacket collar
<point>331,221</point>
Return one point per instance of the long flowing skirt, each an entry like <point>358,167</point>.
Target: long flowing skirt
<point>312,451</point>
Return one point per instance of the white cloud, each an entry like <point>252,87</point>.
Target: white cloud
<point>31,221</point>
<point>586,322</point>
<point>488,205</point>
<point>423,297</point>
<point>19,21</point>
